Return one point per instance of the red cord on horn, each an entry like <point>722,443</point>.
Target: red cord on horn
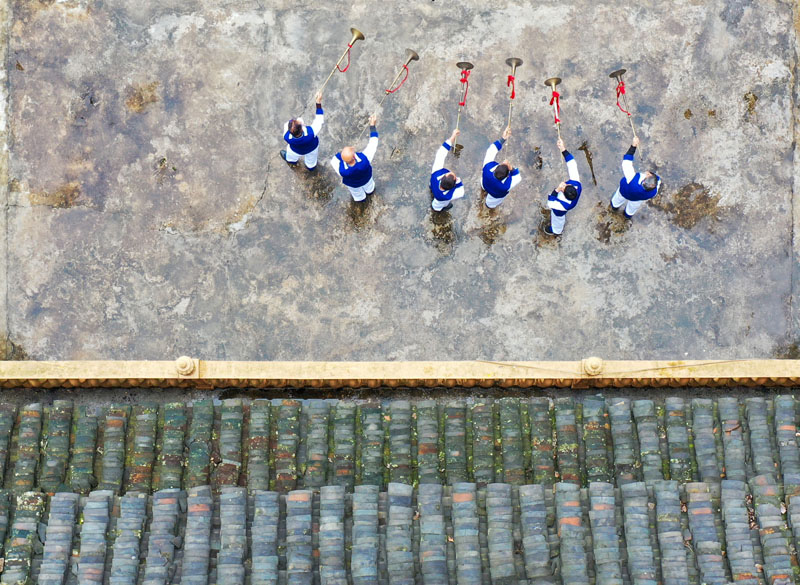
<point>346,67</point>
<point>555,100</point>
<point>621,92</point>
<point>401,83</point>
<point>511,83</point>
<point>465,79</point>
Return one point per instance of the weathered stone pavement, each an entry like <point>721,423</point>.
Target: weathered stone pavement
<point>150,215</point>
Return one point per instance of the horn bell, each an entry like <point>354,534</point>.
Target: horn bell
<point>411,56</point>
<point>465,65</point>
<point>514,62</point>
<point>618,73</point>
<point>552,82</point>
<point>357,35</point>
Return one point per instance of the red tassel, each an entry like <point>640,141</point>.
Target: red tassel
<point>346,67</point>
<point>401,83</point>
<point>621,92</point>
<point>465,79</point>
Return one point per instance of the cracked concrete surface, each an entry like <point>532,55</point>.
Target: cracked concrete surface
<point>150,215</point>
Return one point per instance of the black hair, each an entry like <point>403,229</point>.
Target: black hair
<point>571,192</point>
<point>650,182</point>
<point>447,182</point>
<point>501,172</point>
<point>295,128</point>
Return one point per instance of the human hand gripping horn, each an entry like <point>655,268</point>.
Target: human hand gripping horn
<point>465,67</point>
<point>357,36</point>
<point>410,56</point>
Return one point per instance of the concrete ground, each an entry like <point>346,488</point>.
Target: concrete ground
<point>149,214</point>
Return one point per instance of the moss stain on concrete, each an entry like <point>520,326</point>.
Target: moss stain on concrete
<point>66,195</point>
<point>140,96</point>
<point>689,205</point>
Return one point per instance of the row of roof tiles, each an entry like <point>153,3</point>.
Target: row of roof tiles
<point>283,445</point>
<point>643,533</point>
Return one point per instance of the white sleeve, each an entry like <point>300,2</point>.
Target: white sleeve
<point>515,179</point>
<point>572,169</point>
<point>491,152</point>
<point>316,125</point>
<point>286,127</point>
<point>558,205</point>
<point>438,161</point>
<point>371,149</point>
<point>335,165</point>
<point>628,170</point>
<point>458,193</point>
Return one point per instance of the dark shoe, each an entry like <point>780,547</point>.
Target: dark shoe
<point>548,230</point>
<point>312,169</point>
<point>370,194</point>
<point>448,208</point>
<point>283,156</point>
<point>613,209</point>
<point>626,216</point>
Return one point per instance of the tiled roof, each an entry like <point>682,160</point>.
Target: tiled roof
<point>604,491</point>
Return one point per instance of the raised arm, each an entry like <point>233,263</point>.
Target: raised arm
<point>492,151</point>
<point>335,164</point>
<point>319,120</point>
<point>441,155</point>
<point>572,167</point>
<point>372,145</point>
<point>627,160</point>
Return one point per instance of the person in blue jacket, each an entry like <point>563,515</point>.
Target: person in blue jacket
<point>498,178</point>
<point>445,186</point>
<point>565,196</point>
<point>634,188</point>
<point>355,168</point>
<point>303,141</point>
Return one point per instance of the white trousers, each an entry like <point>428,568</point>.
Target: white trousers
<point>557,222</point>
<point>492,202</point>
<point>360,193</point>
<point>310,158</point>
<point>632,207</point>
<point>437,205</point>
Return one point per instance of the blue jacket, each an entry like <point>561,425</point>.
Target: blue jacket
<point>438,172</point>
<point>558,202</point>
<point>308,141</point>
<point>357,175</point>
<point>630,186</point>
<point>494,187</point>
<point>360,173</point>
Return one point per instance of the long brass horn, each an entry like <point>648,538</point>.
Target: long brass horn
<point>617,75</point>
<point>410,56</point>
<point>512,62</point>
<point>554,101</point>
<point>620,89</point>
<point>465,67</point>
<point>357,36</point>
